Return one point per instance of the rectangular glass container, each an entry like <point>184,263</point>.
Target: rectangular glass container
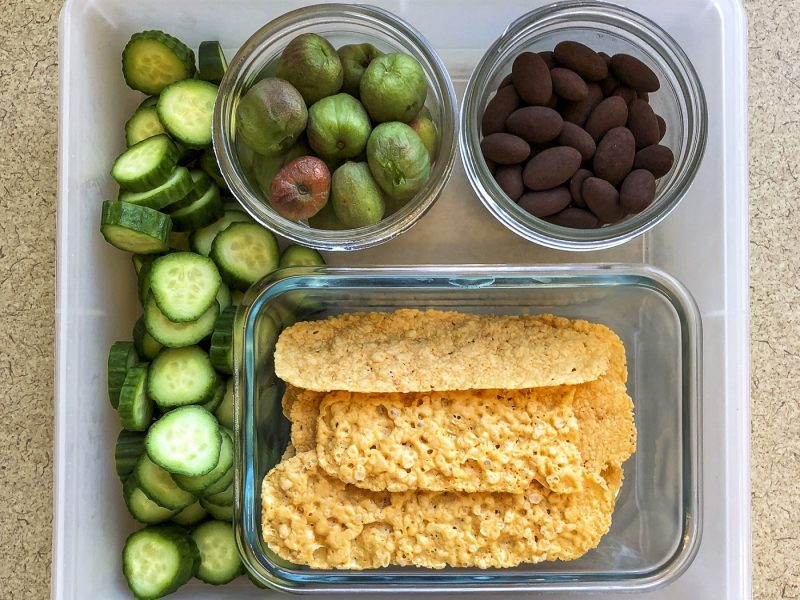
<point>656,526</point>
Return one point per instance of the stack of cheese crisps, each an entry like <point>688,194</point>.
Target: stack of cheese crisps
<point>440,438</point>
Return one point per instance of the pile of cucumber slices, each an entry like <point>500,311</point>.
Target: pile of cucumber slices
<point>194,253</point>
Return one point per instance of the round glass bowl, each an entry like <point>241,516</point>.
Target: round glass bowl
<point>340,24</point>
<point>612,29</point>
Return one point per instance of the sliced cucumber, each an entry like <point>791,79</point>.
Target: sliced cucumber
<point>191,515</point>
<point>186,108</point>
<point>158,485</point>
<point>216,398</point>
<point>127,451</point>
<point>181,376</point>
<point>143,124</point>
<point>221,351</point>
<point>221,484</point>
<point>236,297</point>
<point>135,407</point>
<point>143,277</point>
<point>184,285</point>
<point>146,346</point>
<point>121,357</point>
<point>179,241</point>
<point>152,60</point>
<point>185,441</point>
<point>223,498</point>
<point>135,228</point>
<point>178,335</point>
<point>149,101</point>
<point>221,513</point>
<point>146,165</point>
<point>231,204</point>
<point>299,256</point>
<point>219,557</point>
<point>244,253</point>
<point>208,162</point>
<point>173,189</point>
<point>224,413</point>
<point>202,239</point>
<point>156,561</point>
<point>224,297</point>
<point>224,466</point>
<point>200,213</point>
<point>141,507</point>
<point>211,62</point>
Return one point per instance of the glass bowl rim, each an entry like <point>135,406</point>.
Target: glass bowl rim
<point>247,61</point>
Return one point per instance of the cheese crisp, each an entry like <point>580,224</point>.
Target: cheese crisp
<point>469,441</point>
<point>416,351</point>
<point>436,439</point>
<point>313,519</point>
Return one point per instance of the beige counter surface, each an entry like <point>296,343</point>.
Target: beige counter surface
<point>28,111</point>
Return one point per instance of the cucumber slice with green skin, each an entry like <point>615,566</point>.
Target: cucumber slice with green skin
<point>178,335</point>
<point>200,184</point>
<point>121,357</point>
<point>141,507</point>
<point>135,407</point>
<point>135,228</point>
<point>220,562</point>
<point>202,239</point>
<point>184,285</point>
<point>200,213</point>
<point>179,241</point>
<point>191,515</point>
<point>181,376</point>
<point>244,253</point>
<point>221,484</point>
<point>223,498</point>
<point>149,101</point>
<point>156,561</point>
<point>143,276</point>
<point>221,351</point>
<point>231,204</point>
<point>186,108</point>
<point>224,413</point>
<point>173,189</point>
<point>146,346</point>
<point>208,162</point>
<point>158,485</point>
<point>237,297</point>
<point>211,62</point>
<point>185,441</point>
<point>138,261</point>
<point>300,256</point>
<point>216,398</point>
<point>127,452</point>
<point>224,297</point>
<point>224,466</point>
<point>146,165</point>
<point>221,513</point>
<point>152,60</point>
<point>144,123</point>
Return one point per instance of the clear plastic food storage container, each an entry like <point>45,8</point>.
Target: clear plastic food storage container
<point>656,525</point>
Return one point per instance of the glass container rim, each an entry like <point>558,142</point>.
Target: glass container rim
<point>466,276</point>
<point>252,56</point>
<point>688,87</point>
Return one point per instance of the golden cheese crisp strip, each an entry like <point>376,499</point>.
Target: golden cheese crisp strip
<point>468,441</point>
<point>416,351</point>
<point>312,519</point>
<point>303,413</point>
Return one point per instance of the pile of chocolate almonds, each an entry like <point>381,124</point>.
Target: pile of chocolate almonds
<point>571,137</point>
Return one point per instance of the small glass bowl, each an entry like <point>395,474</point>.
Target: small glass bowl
<point>340,24</point>
<point>656,527</point>
<point>612,29</point>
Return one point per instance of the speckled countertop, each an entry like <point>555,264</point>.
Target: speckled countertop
<point>28,110</point>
